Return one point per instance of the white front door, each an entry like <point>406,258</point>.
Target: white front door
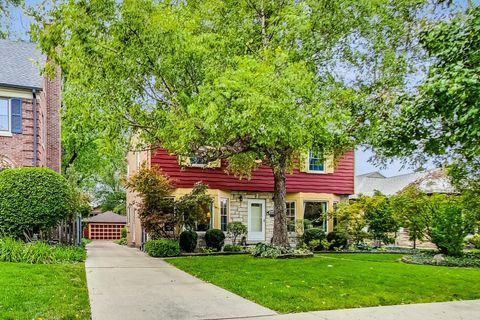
<point>256,220</point>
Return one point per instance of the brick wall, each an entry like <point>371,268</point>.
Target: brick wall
<point>18,148</point>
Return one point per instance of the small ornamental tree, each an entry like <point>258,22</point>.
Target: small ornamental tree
<point>351,220</point>
<point>193,209</point>
<point>236,229</point>
<point>156,208</point>
<point>33,200</point>
<point>379,217</point>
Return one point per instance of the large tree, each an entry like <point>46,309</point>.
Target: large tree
<point>439,118</point>
<point>243,80</point>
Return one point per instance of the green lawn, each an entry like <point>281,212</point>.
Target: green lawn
<point>333,281</point>
<point>42,291</point>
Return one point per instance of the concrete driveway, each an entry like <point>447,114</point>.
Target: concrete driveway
<point>124,283</point>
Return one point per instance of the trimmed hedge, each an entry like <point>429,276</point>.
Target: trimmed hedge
<point>188,241</point>
<point>215,239</point>
<point>337,240</point>
<point>162,248</point>
<point>33,200</point>
<point>232,248</point>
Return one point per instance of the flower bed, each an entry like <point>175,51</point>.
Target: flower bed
<point>469,260</point>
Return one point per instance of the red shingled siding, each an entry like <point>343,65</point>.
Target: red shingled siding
<point>340,182</point>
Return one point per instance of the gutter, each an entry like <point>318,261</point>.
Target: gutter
<point>13,86</point>
<point>35,129</point>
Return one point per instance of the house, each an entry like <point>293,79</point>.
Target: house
<point>29,109</point>
<point>430,181</point>
<point>104,226</point>
<point>312,190</point>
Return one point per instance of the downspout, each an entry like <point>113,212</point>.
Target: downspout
<point>35,129</point>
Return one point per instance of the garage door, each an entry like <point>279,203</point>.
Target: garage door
<point>105,231</point>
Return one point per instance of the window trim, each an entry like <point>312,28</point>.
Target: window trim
<point>310,155</point>
<point>7,132</point>
<point>325,219</point>
<point>294,216</point>
<point>227,212</point>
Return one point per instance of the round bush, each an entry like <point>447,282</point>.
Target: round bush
<point>33,200</point>
<point>188,240</point>
<point>337,239</point>
<point>215,239</point>
<point>162,248</point>
<point>314,234</point>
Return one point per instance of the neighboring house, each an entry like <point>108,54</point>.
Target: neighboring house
<point>312,190</point>
<point>29,109</point>
<point>431,181</point>
<point>104,226</point>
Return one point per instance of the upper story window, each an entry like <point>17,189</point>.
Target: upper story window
<point>198,161</point>
<point>316,162</point>
<point>4,115</point>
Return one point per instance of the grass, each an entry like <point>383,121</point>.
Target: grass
<point>40,291</point>
<point>333,281</point>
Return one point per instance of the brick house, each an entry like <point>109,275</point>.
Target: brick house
<point>29,109</point>
<point>312,190</point>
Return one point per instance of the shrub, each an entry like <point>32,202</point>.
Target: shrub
<point>33,200</point>
<point>12,250</point>
<point>337,240</point>
<point>475,240</point>
<point>162,248</point>
<point>314,234</point>
<point>188,240</point>
<point>449,228</point>
<point>264,250</point>
<point>232,248</point>
<point>124,232</point>
<point>236,229</point>
<point>121,241</point>
<point>215,239</point>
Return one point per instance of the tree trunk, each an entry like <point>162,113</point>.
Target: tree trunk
<point>280,235</point>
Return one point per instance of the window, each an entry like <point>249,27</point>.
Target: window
<point>316,162</point>
<point>197,161</point>
<point>316,213</point>
<point>4,115</point>
<point>291,216</point>
<point>223,214</point>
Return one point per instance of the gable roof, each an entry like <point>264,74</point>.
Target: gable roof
<point>107,217</point>
<point>18,64</point>
<point>432,181</point>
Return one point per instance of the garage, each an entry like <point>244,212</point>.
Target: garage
<point>104,226</point>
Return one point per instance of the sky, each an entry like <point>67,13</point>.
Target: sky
<point>19,28</point>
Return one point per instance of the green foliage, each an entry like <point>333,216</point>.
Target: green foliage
<point>215,239</point>
<point>236,229</point>
<point>271,251</point>
<point>475,240</point>
<point>235,80</point>
<point>232,248</point>
<point>121,241</point>
<point>162,248</point>
<point>33,200</point>
<point>313,238</point>
<point>469,261</point>
<point>337,239</point>
<point>379,217</point>
<point>12,250</point>
<point>411,209</point>
<point>351,220</point>
<point>124,232</point>
<point>188,240</point>
<point>193,209</point>
<point>440,118</point>
<point>116,202</point>
<point>449,228</point>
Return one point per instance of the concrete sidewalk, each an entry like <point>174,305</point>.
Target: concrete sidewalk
<point>125,284</point>
<point>458,310</point>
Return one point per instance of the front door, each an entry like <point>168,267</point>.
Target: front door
<point>256,220</point>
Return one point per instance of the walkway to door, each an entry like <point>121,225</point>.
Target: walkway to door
<point>124,283</point>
